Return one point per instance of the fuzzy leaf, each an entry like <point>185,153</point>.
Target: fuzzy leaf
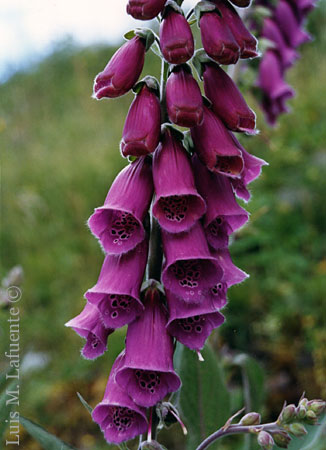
<point>203,400</point>
<point>254,376</point>
<point>47,440</point>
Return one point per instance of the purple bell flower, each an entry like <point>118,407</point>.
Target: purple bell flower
<point>122,71</point>
<point>218,40</point>
<point>192,323</point>
<point>245,40</point>
<point>215,147</point>
<point>227,101</point>
<point>287,54</point>
<point>183,98</point>
<point>119,222</point>
<point>231,273</point>
<point>189,267</point>
<point>145,9</point>
<point>289,25</point>
<point>116,293</point>
<point>177,203</point>
<point>142,128</point>
<point>119,418</point>
<point>88,324</point>
<point>147,373</point>
<point>176,40</point>
<point>302,8</point>
<point>223,216</point>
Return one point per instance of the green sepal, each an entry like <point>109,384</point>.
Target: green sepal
<point>144,33</point>
<point>151,283</point>
<point>188,142</point>
<point>203,7</point>
<point>176,133</point>
<point>171,4</point>
<point>151,83</point>
<point>199,59</point>
<point>84,403</point>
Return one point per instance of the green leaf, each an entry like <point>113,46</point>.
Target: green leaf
<point>47,440</point>
<point>4,407</point>
<point>84,403</point>
<point>203,400</point>
<point>313,439</point>
<point>253,380</point>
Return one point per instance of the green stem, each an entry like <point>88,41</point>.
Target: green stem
<point>164,76</point>
<point>155,256</point>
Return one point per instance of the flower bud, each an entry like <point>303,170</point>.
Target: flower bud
<point>297,429</point>
<point>252,418</point>
<point>303,402</point>
<point>282,439</point>
<point>142,128</point>
<point>183,98</point>
<point>272,32</point>
<point>145,9</point>
<point>122,71</point>
<point>265,440</point>
<point>288,414</point>
<point>311,417</point>
<point>301,412</point>
<point>317,406</point>
<point>218,40</point>
<point>176,40</point>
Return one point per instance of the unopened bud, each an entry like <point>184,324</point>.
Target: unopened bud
<point>301,412</point>
<point>282,439</point>
<point>317,406</point>
<point>288,414</point>
<point>303,402</point>
<point>297,429</point>
<point>252,418</point>
<point>311,417</point>
<point>151,445</point>
<point>169,415</point>
<point>265,440</point>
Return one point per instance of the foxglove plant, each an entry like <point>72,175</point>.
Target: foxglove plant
<point>191,179</point>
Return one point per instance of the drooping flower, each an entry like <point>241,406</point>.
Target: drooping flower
<point>289,25</point>
<point>142,127</point>
<point>223,215</point>
<point>231,273</point>
<point>192,323</point>
<point>119,418</point>
<point>119,222</point>
<point>245,40</point>
<point>302,8</point>
<point>177,203</point>
<point>145,9</point>
<point>287,54</point>
<point>147,373</point>
<point>116,293</point>
<point>227,101</point>
<point>189,267</point>
<point>218,40</point>
<point>122,71</point>
<point>183,98</point>
<point>176,40</point>
<point>215,147</point>
<point>88,325</point>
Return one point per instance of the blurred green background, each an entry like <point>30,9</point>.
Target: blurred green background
<point>60,153</point>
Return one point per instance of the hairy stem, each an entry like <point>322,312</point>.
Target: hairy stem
<point>155,251</point>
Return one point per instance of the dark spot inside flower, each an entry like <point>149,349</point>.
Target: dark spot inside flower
<point>123,226</point>
<point>187,272</point>
<point>148,380</point>
<point>175,207</point>
<point>121,418</point>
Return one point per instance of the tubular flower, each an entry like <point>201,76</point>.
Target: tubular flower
<point>287,54</point>
<point>122,71</point>
<point>116,293</point>
<point>119,222</point>
<point>189,267</point>
<point>145,9</point>
<point>147,373</point>
<point>177,203</point>
<point>176,40</point>
<point>223,215</point>
<point>218,40</point>
<point>215,147</point>
<point>88,324</point>
<point>289,25</point>
<point>119,418</point>
<point>231,273</point>
<point>227,101</point>
<point>183,98</point>
<point>192,323</point>
<point>245,40</point>
<point>142,128</point>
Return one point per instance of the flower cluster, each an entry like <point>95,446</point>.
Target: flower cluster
<point>284,30</point>
<point>191,180</point>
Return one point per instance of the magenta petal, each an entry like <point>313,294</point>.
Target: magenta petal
<point>142,128</point>
<point>214,146</point>
<point>177,204</point>
<point>88,324</point>
<point>218,40</point>
<point>231,273</point>
<point>116,293</point>
<point>192,323</point>
<point>145,9</point>
<point>118,416</point>
<point>289,25</point>
<point>147,374</point>
<point>223,215</point>
<point>118,224</point>
<point>189,267</point>
<point>176,40</point>
<point>122,71</point>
